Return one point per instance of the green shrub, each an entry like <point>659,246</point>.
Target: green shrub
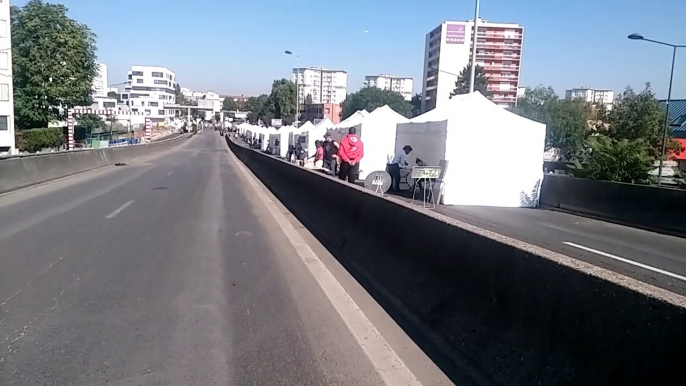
<point>33,140</point>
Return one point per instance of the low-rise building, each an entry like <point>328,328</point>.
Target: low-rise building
<point>318,111</point>
<point>591,95</point>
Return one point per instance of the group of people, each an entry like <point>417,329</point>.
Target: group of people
<point>340,159</point>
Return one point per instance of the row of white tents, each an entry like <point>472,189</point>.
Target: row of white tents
<point>494,157</point>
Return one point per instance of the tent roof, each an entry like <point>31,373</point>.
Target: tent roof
<point>307,126</point>
<point>442,113</point>
<point>470,104</point>
<point>326,123</point>
<point>353,120</point>
<point>387,114</point>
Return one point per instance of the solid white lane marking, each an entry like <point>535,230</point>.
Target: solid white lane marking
<point>116,212</point>
<point>388,364</point>
<point>637,264</point>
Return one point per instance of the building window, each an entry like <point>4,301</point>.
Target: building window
<point>4,123</point>
<point>124,96</point>
<point>162,96</point>
<point>147,111</point>
<point>164,82</point>
<point>4,92</point>
<point>4,61</point>
<point>155,104</point>
<point>3,28</point>
<point>134,110</point>
<point>139,80</point>
<point>157,75</point>
<point>137,73</point>
<point>160,112</point>
<point>109,105</point>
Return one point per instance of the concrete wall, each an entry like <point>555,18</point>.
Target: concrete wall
<point>648,207</point>
<point>22,171</point>
<point>486,310</point>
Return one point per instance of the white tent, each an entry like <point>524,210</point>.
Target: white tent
<point>317,134</point>
<point>495,157</point>
<point>377,131</point>
<point>302,131</point>
<point>279,140</point>
<point>355,119</point>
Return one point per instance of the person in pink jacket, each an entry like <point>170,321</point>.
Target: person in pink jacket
<point>350,151</point>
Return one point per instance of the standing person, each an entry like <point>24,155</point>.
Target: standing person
<point>318,155</point>
<point>330,151</point>
<point>398,162</point>
<point>351,151</point>
<point>299,156</point>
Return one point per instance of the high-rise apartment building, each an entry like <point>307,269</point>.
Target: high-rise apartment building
<point>448,50</point>
<point>399,84</point>
<point>591,95</point>
<point>6,92</point>
<point>149,89</point>
<point>324,85</point>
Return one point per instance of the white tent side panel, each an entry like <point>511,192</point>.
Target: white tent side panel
<point>378,133</point>
<point>428,141</point>
<point>495,160</point>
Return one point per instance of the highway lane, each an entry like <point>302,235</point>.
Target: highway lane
<point>647,256</point>
<point>168,271</point>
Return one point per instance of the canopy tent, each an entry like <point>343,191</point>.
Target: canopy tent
<point>302,131</point>
<point>459,132</point>
<point>278,141</point>
<point>377,132</point>
<point>355,119</point>
<point>317,134</point>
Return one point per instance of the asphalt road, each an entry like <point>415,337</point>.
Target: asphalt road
<point>168,271</point>
<point>647,256</point>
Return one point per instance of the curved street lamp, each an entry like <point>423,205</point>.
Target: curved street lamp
<point>636,36</point>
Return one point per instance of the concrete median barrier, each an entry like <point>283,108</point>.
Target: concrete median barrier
<point>22,171</point>
<point>647,207</point>
<point>488,309</point>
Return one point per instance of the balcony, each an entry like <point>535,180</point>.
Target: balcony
<point>498,35</point>
<point>500,66</point>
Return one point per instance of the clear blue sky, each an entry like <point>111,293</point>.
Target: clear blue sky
<point>236,46</point>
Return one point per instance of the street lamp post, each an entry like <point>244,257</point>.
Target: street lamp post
<point>297,96</point>
<point>473,69</point>
<point>636,36</point>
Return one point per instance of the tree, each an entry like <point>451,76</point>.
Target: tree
<point>308,100</point>
<point>114,95</point>
<point>53,63</point>
<point>480,81</point>
<point>283,99</point>
<point>640,116</point>
<point>618,160</point>
<point>370,98</point>
<point>230,104</point>
<point>180,98</point>
<point>91,122</point>
<point>255,106</point>
<point>416,104</point>
<point>566,121</point>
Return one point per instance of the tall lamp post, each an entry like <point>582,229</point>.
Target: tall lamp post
<point>297,96</point>
<point>636,36</point>
<point>476,27</point>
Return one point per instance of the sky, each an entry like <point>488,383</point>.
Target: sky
<point>237,46</point>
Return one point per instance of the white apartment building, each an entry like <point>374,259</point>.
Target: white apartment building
<point>100,86</point>
<point>592,95</point>
<point>448,50</point>
<point>323,84</point>
<point>149,90</point>
<point>399,84</point>
<point>7,146</point>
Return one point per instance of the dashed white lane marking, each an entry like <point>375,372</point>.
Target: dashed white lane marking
<point>623,260</point>
<point>388,364</point>
<point>116,212</point>
<point>170,173</point>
